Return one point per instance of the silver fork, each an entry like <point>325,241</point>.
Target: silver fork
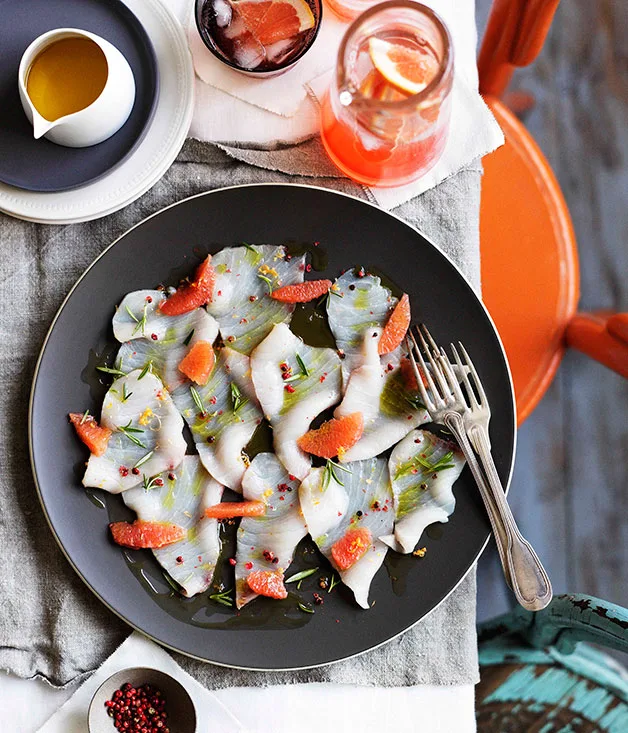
<point>447,405</point>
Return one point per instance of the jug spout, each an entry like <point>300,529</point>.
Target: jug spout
<point>41,125</point>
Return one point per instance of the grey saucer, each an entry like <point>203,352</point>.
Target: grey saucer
<point>39,165</point>
<point>179,705</point>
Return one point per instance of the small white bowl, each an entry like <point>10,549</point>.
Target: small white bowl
<point>179,705</point>
<point>99,120</point>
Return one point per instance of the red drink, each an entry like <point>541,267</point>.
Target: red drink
<point>386,116</point>
<point>258,36</point>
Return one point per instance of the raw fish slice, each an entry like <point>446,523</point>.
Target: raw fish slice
<point>169,346</point>
<point>147,434</point>
<point>222,432</point>
<point>365,303</point>
<point>330,510</point>
<point>182,499</point>
<point>291,404</point>
<point>241,304</point>
<point>423,469</point>
<point>389,410</point>
<point>277,533</point>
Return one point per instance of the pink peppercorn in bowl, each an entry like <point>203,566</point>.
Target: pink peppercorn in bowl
<point>148,699</point>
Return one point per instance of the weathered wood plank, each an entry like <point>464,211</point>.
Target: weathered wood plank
<point>571,480</point>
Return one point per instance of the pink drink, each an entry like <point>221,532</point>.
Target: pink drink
<point>258,36</point>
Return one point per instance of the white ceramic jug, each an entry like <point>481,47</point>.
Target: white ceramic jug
<point>99,120</point>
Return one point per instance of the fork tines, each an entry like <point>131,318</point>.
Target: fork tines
<point>440,375</point>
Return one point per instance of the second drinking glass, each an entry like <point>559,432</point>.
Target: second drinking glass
<point>386,115</point>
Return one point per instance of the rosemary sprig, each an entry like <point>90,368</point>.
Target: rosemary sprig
<point>85,416</point>
<point>330,473</point>
<point>268,282</point>
<point>300,576</point>
<point>140,322</point>
<point>249,247</point>
<point>147,368</point>
<point>128,431</point>
<point>172,583</point>
<point>223,598</point>
<point>145,458</point>
<point>334,581</point>
<point>150,483</point>
<point>426,467</point>
<point>293,378</point>
<point>415,402</point>
<point>328,295</point>
<point>109,370</point>
<point>302,366</point>
<point>305,609</point>
<point>198,401</point>
<point>188,337</point>
<point>125,393</point>
<point>237,399</point>
<point>130,312</point>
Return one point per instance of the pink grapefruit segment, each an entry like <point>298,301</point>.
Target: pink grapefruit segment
<point>192,294</point>
<point>230,509</point>
<point>409,377</point>
<point>267,583</point>
<point>301,292</point>
<point>141,535</point>
<point>351,547</point>
<point>334,436</point>
<point>198,363</point>
<point>90,432</point>
<point>396,327</point>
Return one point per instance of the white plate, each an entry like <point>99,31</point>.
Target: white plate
<point>155,154</point>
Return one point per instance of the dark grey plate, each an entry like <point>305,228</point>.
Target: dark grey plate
<point>350,232</point>
<point>39,165</point>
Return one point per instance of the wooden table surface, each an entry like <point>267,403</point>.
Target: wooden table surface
<point>570,489</point>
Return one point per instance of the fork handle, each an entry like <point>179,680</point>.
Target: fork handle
<point>530,582</point>
<point>455,424</point>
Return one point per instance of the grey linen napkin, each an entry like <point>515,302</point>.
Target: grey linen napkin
<point>50,623</point>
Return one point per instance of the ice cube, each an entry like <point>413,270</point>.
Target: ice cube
<point>277,52</point>
<point>223,13</point>
<point>248,52</point>
<point>236,27</point>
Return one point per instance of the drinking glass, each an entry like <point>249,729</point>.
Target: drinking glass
<point>349,9</point>
<point>385,124</point>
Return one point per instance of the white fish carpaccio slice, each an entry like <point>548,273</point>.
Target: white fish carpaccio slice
<point>422,487</point>
<point>278,532</point>
<point>388,408</point>
<point>360,304</point>
<point>147,430</point>
<point>290,406</point>
<point>186,493</point>
<point>150,336</point>
<point>331,509</point>
<point>222,432</point>
<point>241,303</point>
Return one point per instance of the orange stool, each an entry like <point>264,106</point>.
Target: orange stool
<point>530,280</point>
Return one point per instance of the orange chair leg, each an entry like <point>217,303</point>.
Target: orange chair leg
<point>602,337</point>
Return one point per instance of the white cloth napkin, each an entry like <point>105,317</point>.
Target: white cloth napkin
<point>236,108</point>
<point>309,708</point>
